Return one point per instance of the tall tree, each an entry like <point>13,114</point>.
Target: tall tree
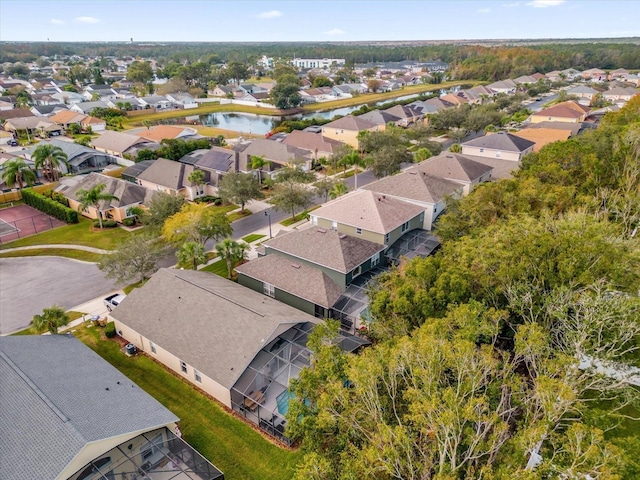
<point>192,254</point>
<point>135,259</point>
<point>162,206</point>
<point>50,320</point>
<point>49,158</point>
<point>237,71</point>
<point>290,195</point>
<point>232,252</point>
<point>93,198</point>
<point>238,187</point>
<point>197,178</point>
<point>140,72</point>
<point>324,186</point>
<point>258,163</point>
<point>17,171</point>
<point>196,223</point>
<point>353,159</point>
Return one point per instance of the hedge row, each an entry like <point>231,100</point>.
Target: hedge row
<point>48,206</point>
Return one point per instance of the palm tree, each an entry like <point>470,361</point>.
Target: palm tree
<point>51,318</point>
<point>93,197</point>
<point>354,160</point>
<point>338,190</point>
<point>232,252</point>
<point>18,171</point>
<point>137,213</point>
<point>197,178</point>
<point>50,159</point>
<point>455,148</point>
<point>258,163</point>
<point>23,99</point>
<point>191,253</point>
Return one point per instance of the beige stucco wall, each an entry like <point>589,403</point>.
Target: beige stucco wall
<point>117,214</point>
<point>156,187</point>
<point>213,388</point>
<point>542,118</point>
<point>491,153</point>
<point>350,137</point>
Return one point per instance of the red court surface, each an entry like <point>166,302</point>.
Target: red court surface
<point>22,221</point>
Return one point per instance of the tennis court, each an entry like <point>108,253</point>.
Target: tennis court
<point>22,221</point>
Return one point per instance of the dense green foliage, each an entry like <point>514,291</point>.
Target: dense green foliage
<point>49,206</point>
<point>496,346</point>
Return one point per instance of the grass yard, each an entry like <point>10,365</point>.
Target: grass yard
<point>30,331</point>
<point>56,252</point>
<point>301,216</point>
<point>218,268</point>
<point>76,234</point>
<point>252,237</point>
<point>231,445</point>
<point>238,215</point>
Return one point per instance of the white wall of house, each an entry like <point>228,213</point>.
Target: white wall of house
<point>491,153</point>
<point>210,386</point>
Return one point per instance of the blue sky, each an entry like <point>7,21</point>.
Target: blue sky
<point>311,20</point>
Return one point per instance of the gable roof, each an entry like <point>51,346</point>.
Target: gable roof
<point>559,111</point>
<point>403,111</point>
<point>127,193</point>
<point>349,122</point>
<point>573,128</point>
<point>311,141</point>
<point>167,173</point>
<point>543,136</point>
<point>379,117</point>
<point>116,141</point>
<point>15,113</point>
<point>213,324</point>
<point>370,211</point>
<point>453,166</point>
<point>414,184</point>
<point>327,248</point>
<point>158,133</point>
<point>301,280</point>
<point>51,409</point>
<point>67,116</point>
<point>501,141</point>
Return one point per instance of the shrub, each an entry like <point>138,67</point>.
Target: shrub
<point>208,199</point>
<point>49,206</point>
<point>105,224</point>
<point>110,330</point>
<point>129,222</point>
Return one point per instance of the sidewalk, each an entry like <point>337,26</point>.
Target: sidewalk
<point>95,307</point>
<point>67,246</point>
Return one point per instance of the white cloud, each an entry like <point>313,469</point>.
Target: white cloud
<point>89,20</point>
<point>56,21</point>
<point>335,31</point>
<point>270,14</point>
<point>545,3</point>
<point>484,10</point>
<point>511,5</point>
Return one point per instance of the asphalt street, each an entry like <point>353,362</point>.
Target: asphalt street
<point>29,284</point>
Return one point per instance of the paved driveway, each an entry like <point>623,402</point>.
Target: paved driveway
<point>29,284</point>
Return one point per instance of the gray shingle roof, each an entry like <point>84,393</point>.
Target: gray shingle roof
<point>414,185</point>
<point>71,149</point>
<point>213,324</point>
<point>116,141</point>
<point>453,166</point>
<point>379,117</point>
<point>128,193</point>
<point>501,141</point>
<point>303,281</point>
<point>60,396</point>
<point>327,248</point>
<point>350,122</point>
<point>311,141</point>
<point>370,211</point>
<point>167,173</point>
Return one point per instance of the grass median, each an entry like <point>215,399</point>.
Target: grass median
<point>229,443</point>
<point>54,252</point>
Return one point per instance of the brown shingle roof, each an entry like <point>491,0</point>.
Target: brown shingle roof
<point>311,141</point>
<point>167,173</point>
<point>501,141</point>
<point>559,111</point>
<point>115,141</point>
<point>303,281</point>
<point>160,132</point>
<point>414,184</point>
<point>67,116</point>
<point>350,122</point>
<point>370,211</point>
<point>453,166</point>
<point>326,248</point>
<point>543,136</point>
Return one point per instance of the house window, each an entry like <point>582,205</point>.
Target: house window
<point>405,227</point>
<point>153,347</point>
<point>481,150</point>
<point>197,376</point>
<point>375,260</point>
<point>386,238</point>
<point>497,154</point>
<point>183,366</point>
<point>269,290</point>
<point>357,271</point>
<point>359,231</point>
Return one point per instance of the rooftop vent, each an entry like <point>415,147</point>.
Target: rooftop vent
<point>322,230</point>
<point>342,235</point>
<point>295,265</point>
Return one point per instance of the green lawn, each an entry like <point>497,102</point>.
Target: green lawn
<point>252,237</point>
<point>238,215</point>
<point>219,268</point>
<point>57,252</point>
<point>30,331</point>
<point>301,216</point>
<point>230,444</point>
<point>76,234</point>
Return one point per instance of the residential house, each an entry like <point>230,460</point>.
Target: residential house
<point>68,98</point>
<point>525,80</point>
<point>507,86</point>
<point>87,107</point>
<point>432,105</point>
<point>127,195</point>
<point>346,129</point>
<point>381,118</point>
<point>40,126</point>
<point>502,151</point>
<point>79,418</point>
<point>543,136</point>
<point>594,75</point>
<point>276,153</point>
<point>47,110</point>
<point>619,73</point>
<point>256,97</point>
<point>81,159</point>
<point>619,94</point>
<point>322,147</point>
<point>349,89</point>
<point>583,92</point>
<point>117,143</point>
<point>568,112</point>
<point>167,176</point>
<point>182,100</point>
<point>15,113</point>
<point>571,74</point>
<point>214,163</point>
<point>240,346</point>
<point>454,99</point>
<point>155,101</point>
<point>554,76</point>
<point>376,217</point>
<point>406,114</point>
<point>320,94</point>
<point>455,168</point>
<point>477,95</point>
<point>223,91</point>
<point>131,173</point>
<point>65,118</point>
